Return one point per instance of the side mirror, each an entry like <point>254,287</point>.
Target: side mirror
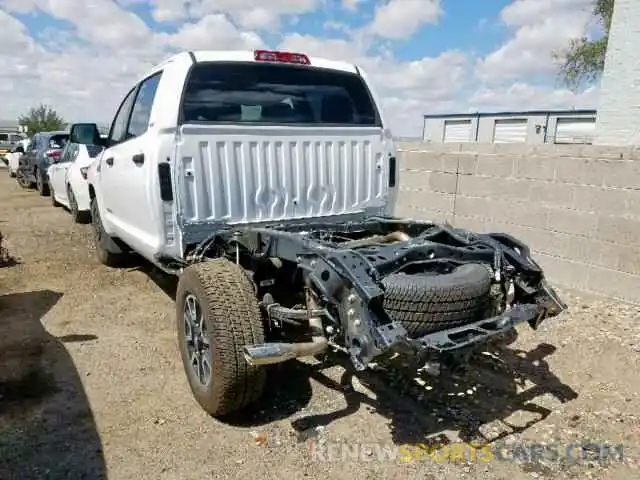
<point>85,134</point>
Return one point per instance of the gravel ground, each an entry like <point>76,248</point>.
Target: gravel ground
<point>109,398</point>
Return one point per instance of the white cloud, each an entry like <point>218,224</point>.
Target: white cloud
<point>214,29</point>
<point>399,19</point>
<point>85,70</point>
<point>541,27</point>
<point>523,96</point>
<point>408,89</point>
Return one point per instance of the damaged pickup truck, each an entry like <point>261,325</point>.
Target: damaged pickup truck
<point>268,185</point>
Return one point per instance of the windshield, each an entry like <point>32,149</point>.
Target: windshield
<point>227,92</point>
<point>58,141</point>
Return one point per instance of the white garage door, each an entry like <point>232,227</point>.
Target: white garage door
<point>457,131</point>
<point>575,130</point>
<point>510,131</point>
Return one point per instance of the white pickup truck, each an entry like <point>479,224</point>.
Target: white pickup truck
<point>267,181</point>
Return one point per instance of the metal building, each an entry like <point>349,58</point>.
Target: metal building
<point>537,126</point>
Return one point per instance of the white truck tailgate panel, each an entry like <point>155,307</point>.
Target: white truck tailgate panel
<point>255,174</point>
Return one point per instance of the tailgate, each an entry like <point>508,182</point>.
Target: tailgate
<point>241,174</point>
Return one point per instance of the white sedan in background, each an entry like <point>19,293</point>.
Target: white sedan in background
<point>68,180</point>
<point>13,158</point>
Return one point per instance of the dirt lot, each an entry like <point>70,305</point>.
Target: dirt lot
<point>110,399</point>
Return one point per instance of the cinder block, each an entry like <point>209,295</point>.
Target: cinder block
<point>459,163</point>
<point>539,168</point>
<point>472,207</point>
<point>562,271</point>
<point>634,153</point>
<point>619,230</point>
<point>475,224</point>
<point>442,182</point>
<point>414,179</point>
<point>546,241</point>
<point>512,149</point>
<point>607,200</point>
<point>603,152</point>
<point>467,163</point>
<point>413,211</point>
<point>583,171</point>
<point>623,175</point>
<point>623,258</point>
<point>614,284</point>
<point>495,165</point>
<point>435,201</point>
<point>492,187</point>
<point>474,147</point>
<point>573,222</point>
<point>556,150</point>
<point>500,211</point>
<point>528,214</point>
<point>423,161</point>
<point>559,194</point>
<point>585,250</point>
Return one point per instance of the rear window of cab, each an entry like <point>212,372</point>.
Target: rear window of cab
<point>271,93</point>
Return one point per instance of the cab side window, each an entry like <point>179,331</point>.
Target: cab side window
<point>71,152</point>
<point>118,132</point>
<point>65,153</point>
<point>142,107</point>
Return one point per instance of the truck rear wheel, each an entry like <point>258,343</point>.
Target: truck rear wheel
<point>108,251</point>
<point>429,303</point>
<point>217,314</point>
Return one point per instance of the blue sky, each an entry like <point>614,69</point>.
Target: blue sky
<point>424,56</point>
<point>471,25</point>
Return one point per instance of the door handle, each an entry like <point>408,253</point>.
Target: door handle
<point>109,161</point>
<point>138,159</point>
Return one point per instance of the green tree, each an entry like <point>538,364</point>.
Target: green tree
<point>42,118</point>
<point>583,62</point>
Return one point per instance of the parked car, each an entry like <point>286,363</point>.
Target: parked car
<point>8,142</point>
<point>45,147</point>
<point>68,179</point>
<point>267,187</point>
<point>13,158</point>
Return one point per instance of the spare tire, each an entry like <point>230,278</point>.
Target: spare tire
<point>429,303</point>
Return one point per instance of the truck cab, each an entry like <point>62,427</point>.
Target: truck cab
<point>211,138</point>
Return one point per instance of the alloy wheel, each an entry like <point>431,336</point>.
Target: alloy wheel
<point>197,341</point>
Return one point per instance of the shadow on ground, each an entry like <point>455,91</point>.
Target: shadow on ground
<point>47,428</point>
<point>420,407</point>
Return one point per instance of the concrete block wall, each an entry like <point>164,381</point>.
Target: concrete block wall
<point>618,121</point>
<point>577,206</point>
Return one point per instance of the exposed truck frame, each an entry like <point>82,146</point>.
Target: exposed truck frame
<point>323,284</point>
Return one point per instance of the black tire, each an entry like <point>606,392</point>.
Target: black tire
<point>54,202</point>
<point>22,181</point>
<point>77,215</point>
<point>108,251</point>
<point>231,319</point>
<point>429,303</point>
<point>41,185</point>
